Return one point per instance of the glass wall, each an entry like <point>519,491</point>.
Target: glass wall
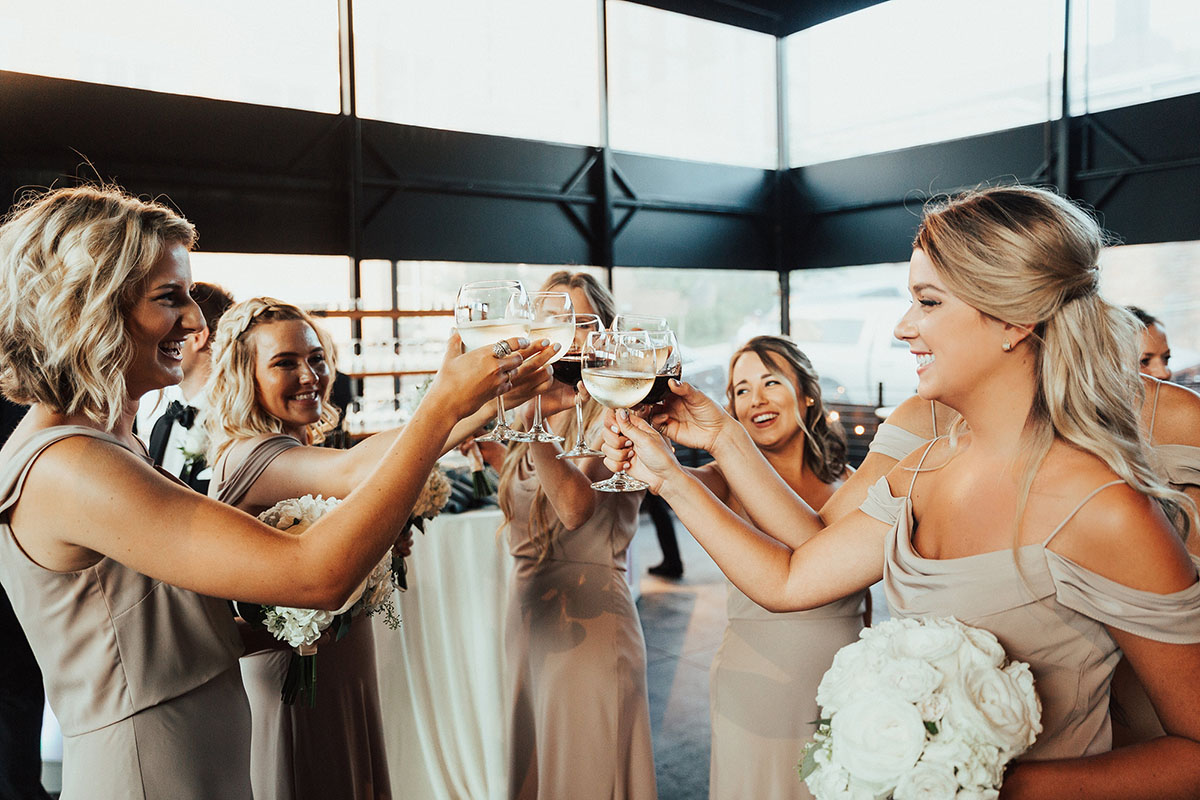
<point>272,52</point>
<point>1133,51</point>
<point>527,68</point>
<point>909,72</point>
<point>711,312</point>
<point>843,318</point>
<point>688,88</point>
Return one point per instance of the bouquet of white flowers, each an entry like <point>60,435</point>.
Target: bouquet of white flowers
<point>920,709</point>
<point>301,627</point>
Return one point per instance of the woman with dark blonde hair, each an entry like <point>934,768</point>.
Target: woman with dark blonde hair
<point>579,720</point>
<point>1040,518</point>
<point>112,566</point>
<point>763,682</point>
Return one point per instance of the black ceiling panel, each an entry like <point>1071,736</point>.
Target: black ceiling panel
<point>777,17</point>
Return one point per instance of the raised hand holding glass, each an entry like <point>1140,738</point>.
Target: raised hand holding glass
<point>619,370</point>
<point>487,312</point>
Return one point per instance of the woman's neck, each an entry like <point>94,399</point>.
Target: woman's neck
<point>997,411</point>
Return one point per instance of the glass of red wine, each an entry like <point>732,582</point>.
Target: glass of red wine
<point>567,370</point>
<point>669,364</point>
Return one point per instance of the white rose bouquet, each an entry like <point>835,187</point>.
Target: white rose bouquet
<point>302,627</point>
<point>920,709</point>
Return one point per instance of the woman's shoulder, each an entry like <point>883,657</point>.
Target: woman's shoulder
<point>1177,420</point>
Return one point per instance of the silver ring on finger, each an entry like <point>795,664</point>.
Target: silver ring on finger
<point>501,349</point>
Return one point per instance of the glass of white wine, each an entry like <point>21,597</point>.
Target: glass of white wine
<point>487,312</point>
<point>553,319</point>
<point>639,322</point>
<point>619,368</point>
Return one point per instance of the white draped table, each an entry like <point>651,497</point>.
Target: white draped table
<point>441,676</point>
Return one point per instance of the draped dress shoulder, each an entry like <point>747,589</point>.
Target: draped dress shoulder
<point>579,714</point>
<point>1045,609</point>
<point>141,675</point>
<point>336,749</point>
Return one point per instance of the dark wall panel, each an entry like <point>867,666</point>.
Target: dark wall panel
<point>742,188</point>
<point>673,239</point>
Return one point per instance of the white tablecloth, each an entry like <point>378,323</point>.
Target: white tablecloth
<point>441,679</point>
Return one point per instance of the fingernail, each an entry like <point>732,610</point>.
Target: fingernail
<point>522,342</point>
<point>614,429</point>
<point>557,347</point>
<point>673,382</point>
<point>546,342</point>
<point>622,414</point>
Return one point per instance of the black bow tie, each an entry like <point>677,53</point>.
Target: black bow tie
<point>161,432</point>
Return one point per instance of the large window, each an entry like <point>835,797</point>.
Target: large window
<point>1133,51</point>
<point>711,311</point>
<point>843,318</point>
<point>689,88</point>
<point>272,52</point>
<point>909,72</point>
<point>525,68</point>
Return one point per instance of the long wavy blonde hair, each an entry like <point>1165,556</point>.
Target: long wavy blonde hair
<point>542,532</point>
<point>233,411</point>
<point>73,262</point>
<point>1026,256</point>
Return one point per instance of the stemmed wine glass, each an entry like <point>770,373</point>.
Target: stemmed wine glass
<point>618,370</point>
<point>487,312</point>
<point>553,319</point>
<point>567,370</point>
<point>669,364</point>
<point>639,322</point>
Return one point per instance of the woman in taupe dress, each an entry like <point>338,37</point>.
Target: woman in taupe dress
<point>1043,521</point>
<point>112,566</point>
<point>579,715</point>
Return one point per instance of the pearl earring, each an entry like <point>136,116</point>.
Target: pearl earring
<point>1007,346</point>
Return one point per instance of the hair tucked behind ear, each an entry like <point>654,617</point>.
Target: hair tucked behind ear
<point>233,411</point>
<point>1028,257</point>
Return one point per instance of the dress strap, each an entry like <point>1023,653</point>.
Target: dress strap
<point>917,469</point>
<point>232,489</point>
<point>1081,504</point>
<point>933,417</point>
<point>1154,411</point>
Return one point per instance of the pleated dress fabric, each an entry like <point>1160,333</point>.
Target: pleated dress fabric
<point>579,714</point>
<point>141,675</point>
<point>1051,613</point>
<point>336,749</point>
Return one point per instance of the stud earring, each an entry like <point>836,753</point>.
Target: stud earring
<point>808,401</point>
<point>1007,346</point>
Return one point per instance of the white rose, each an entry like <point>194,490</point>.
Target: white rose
<point>929,642</point>
<point>986,644</point>
<point>984,769</point>
<point>927,782</point>
<point>834,783</point>
<point>998,708</point>
<point>877,738</point>
<point>914,680</point>
<point>297,626</point>
<point>855,670</point>
<point>933,707</point>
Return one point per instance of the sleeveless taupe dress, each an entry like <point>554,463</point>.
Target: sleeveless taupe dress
<point>141,675</point>
<point>579,714</point>
<point>336,749</point>
<point>1059,629</point>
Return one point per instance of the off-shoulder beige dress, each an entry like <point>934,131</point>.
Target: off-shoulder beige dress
<point>336,749</point>
<point>579,714</point>
<point>141,675</point>
<point>1059,628</point>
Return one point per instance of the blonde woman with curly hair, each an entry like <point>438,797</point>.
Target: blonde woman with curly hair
<point>268,407</point>
<point>1040,518</point>
<point>112,566</point>
<point>763,681</point>
<point>579,721</point>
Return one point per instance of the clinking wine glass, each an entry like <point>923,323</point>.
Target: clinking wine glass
<point>669,364</point>
<point>639,322</point>
<point>619,368</point>
<point>567,370</point>
<point>487,312</point>
<point>553,319</point>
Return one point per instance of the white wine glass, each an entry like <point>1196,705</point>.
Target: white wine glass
<point>553,319</point>
<point>485,313</point>
<point>567,371</point>
<point>639,322</point>
<point>618,370</point>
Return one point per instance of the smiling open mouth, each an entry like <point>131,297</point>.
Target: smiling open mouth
<point>766,416</point>
<point>172,350</point>
<point>924,359</point>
